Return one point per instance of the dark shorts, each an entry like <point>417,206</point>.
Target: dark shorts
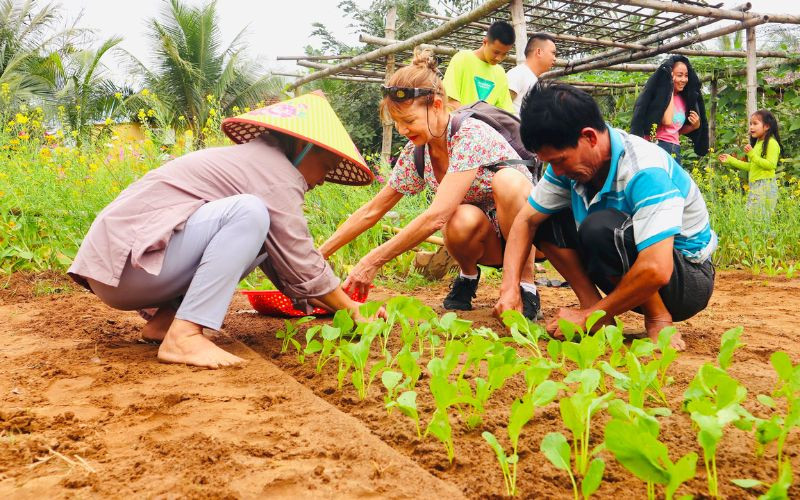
<point>673,149</point>
<point>606,246</point>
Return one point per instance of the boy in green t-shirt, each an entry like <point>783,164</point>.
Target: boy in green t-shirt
<point>477,75</point>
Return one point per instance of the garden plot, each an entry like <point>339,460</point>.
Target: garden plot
<point>75,382</point>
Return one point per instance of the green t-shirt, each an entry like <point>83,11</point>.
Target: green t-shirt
<point>468,79</point>
<point>756,166</point>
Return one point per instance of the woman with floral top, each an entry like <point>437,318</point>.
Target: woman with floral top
<point>475,199</point>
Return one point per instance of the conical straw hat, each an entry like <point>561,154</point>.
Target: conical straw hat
<point>309,117</point>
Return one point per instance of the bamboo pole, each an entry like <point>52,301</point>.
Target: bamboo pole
<point>712,116</point>
<point>521,35</point>
<point>752,86</point>
<point>310,58</point>
<point>709,11</point>
<point>668,47</point>
<point>354,71</point>
<point>386,139</point>
<point>477,13</point>
<point>359,79</point>
<point>693,10</point>
<point>661,35</point>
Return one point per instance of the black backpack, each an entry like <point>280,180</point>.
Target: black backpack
<point>501,120</point>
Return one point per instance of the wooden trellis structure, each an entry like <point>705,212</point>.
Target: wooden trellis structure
<point>590,35</point>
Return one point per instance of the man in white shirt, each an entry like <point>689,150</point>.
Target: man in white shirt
<point>540,55</point>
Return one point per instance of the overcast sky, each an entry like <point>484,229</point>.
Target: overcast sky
<point>275,27</point>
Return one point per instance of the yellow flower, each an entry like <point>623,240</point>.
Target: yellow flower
<point>14,142</point>
<point>236,110</point>
<point>93,167</point>
<point>36,124</point>
<point>117,95</point>
<point>181,118</point>
<point>24,137</point>
<point>77,107</point>
<point>11,223</point>
<point>145,92</point>
<point>210,98</point>
<point>212,112</point>
<point>247,109</point>
<point>151,113</point>
<point>74,133</point>
<point>21,119</point>
<point>108,121</point>
<point>45,152</point>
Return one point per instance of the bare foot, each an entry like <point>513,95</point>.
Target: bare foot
<point>654,327</point>
<point>156,328</point>
<point>185,343</point>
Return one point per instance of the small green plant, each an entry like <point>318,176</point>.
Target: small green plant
<point>525,332</point>
<point>290,329</point>
<point>407,404</point>
<point>556,449</point>
<point>635,445</point>
<point>522,410</point>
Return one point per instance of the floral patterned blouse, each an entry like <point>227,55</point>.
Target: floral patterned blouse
<point>474,145</point>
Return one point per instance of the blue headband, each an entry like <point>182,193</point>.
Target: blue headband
<point>302,154</point>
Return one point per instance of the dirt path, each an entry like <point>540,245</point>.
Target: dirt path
<point>73,380</point>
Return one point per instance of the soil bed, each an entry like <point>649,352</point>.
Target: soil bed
<point>87,411</point>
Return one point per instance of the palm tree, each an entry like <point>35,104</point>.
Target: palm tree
<point>26,32</point>
<point>191,66</point>
<point>81,89</point>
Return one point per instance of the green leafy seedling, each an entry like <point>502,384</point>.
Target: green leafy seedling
<point>728,345</point>
<point>291,328</point>
<point>556,448</point>
<point>391,381</point>
<point>407,404</point>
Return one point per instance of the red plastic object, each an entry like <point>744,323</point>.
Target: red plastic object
<point>275,303</point>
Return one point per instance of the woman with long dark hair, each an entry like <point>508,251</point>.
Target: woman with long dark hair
<point>671,105</point>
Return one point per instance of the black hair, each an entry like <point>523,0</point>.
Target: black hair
<point>502,32</point>
<point>553,114</point>
<point>768,119</point>
<point>537,37</point>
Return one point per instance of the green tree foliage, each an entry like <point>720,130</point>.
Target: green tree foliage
<point>356,103</point>
<point>26,32</point>
<point>192,65</point>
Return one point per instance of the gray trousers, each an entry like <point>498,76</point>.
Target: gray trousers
<point>220,244</point>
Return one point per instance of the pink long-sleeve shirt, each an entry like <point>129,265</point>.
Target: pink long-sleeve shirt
<point>141,220</point>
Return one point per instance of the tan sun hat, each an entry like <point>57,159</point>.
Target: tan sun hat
<point>309,117</point>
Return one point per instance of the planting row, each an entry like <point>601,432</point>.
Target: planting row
<point>583,373</point>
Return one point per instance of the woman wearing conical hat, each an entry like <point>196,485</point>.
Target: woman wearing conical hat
<point>180,238</point>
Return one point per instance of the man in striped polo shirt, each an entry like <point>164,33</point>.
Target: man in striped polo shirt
<point>613,212</point>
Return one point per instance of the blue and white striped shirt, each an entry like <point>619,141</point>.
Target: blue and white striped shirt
<point>646,183</point>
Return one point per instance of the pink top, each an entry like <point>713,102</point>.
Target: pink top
<point>670,133</point>
<point>141,220</point>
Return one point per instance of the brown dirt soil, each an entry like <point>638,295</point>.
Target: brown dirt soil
<point>88,412</point>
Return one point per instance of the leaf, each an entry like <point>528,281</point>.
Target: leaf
<point>568,329</point>
<point>343,321</point>
<point>390,379</point>
<point>521,413</point>
<point>729,344</point>
<point>556,449</point>
<point>594,318</point>
<point>637,451</point>
<point>782,364</point>
<point>766,400</point>
<point>642,348</point>
<point>545,393</point>
<point>780,488</point>
<point>747,483</point>
<point>369,309</point>
<point>594,475</point>
<point>682,471</point>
